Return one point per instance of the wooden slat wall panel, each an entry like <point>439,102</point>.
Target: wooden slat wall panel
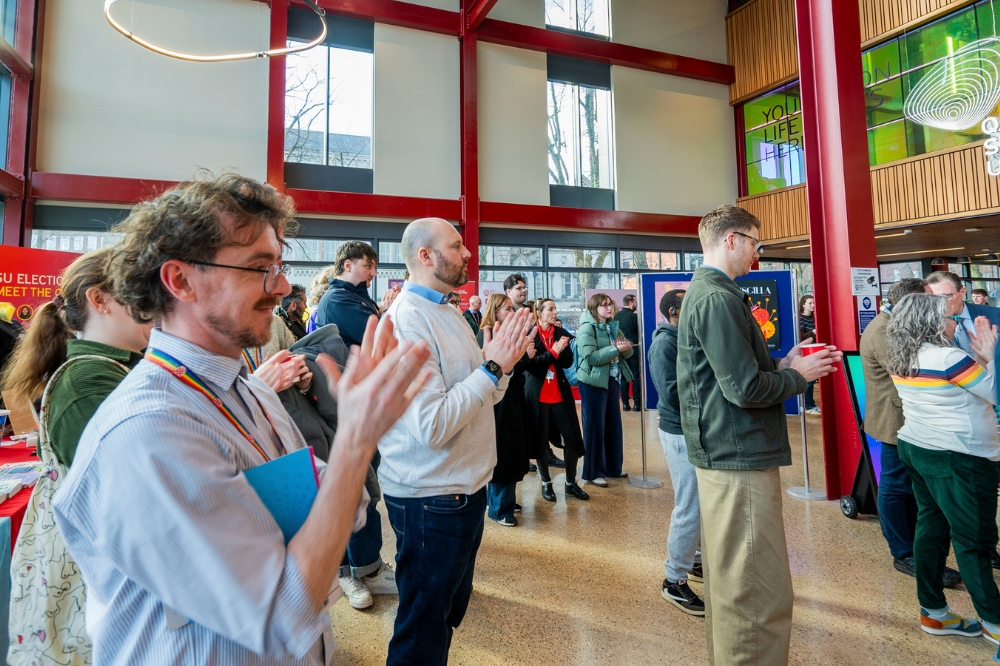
<point>941,185</point>
<point>762,46</point>
<point>879,17</point>
<point>783,213</point>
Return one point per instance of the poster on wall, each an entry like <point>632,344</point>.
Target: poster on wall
<point>772,303</point>
<point>764,308</point>
<point>466,291</point>
<point>488,288</point>
<point>29,278</point>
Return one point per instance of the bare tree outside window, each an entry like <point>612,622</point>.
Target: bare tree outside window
<point>328,107</point>
<point>579,136</point>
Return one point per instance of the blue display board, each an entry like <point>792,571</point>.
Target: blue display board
<point>779,309</point>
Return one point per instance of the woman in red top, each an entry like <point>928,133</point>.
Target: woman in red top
<point>549,398</point>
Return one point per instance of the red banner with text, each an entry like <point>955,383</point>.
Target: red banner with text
<point>29,278</point>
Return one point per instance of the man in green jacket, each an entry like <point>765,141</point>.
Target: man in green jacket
<point>731,393</point>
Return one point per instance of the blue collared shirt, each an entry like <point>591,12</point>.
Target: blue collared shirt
<point>159,517</point>
<point>442,299</point>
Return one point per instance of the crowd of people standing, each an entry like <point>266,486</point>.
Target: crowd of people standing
<point>178,561</point>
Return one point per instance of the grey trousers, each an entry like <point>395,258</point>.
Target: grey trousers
<point>684,537</point>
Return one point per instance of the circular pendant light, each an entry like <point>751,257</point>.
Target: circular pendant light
<point>224,57</point>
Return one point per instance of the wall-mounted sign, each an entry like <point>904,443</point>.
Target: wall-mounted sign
<point>864,282</point>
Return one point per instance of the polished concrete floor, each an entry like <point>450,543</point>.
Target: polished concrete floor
<point>579,583</point>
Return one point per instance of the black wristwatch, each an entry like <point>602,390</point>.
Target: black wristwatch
<point>494,369</point>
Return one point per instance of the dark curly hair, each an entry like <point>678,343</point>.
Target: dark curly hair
<point>191,222</point>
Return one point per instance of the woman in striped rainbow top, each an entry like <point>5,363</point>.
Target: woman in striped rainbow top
<point>950,445</point>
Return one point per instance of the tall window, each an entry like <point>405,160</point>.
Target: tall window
<point>328,107</point>
<point>328,104</point>
<point>581,138</point>
<point>592,17</point>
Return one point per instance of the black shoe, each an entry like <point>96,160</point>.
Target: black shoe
<point>555,461</point>
<point>623,475</point>
<point>517,508</point>
<point>995,557</point>
<point>905,565</point>
<point>696,575</point>
<point>680,595</point>
<point>548,494</point>
<point>532,468</point>
<point>626,408</point>
<point>576,491</point>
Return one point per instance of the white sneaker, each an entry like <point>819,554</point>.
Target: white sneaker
<point>814,411</point>
<point>382,581</point>
<point>600,483</point>
<point>356,593</point>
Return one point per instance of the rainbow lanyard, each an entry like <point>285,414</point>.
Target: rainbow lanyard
<point>253,362</point>
<point>188,377</point>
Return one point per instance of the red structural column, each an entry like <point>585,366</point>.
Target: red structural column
<point>276,97</point>
<point>841,222</point>
<point>470,147</point>
<point>23,128</point>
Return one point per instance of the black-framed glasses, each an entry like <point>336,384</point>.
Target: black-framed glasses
<point>271,273</point>
<point>760,246</point>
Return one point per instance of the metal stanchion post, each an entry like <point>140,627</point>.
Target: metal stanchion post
<point>799,491</point>
<point>644,481</point>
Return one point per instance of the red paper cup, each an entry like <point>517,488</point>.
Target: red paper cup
<point>813,348</point>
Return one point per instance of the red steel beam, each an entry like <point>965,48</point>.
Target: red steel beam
<point>374,205</point>
<point>11,186</point>
<point>276,97</point>
<point>12,60</point>
<point>589,48</point>
<point>392,12</point>
<point>469,95</point>
<point>22,128</point>
<point>841,218</point>
<point>615,221</point>
<point>418,17</point>
<point>95,189</point>
<point>476,13</point>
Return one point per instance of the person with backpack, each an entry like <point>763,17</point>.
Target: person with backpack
<point>601,350</point>
<point>78,349</point>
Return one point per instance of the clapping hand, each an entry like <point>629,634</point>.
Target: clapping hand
<point>382,377</point>
<point>507,341</point>
<point>983,341</point>
<point>283,370</point>
<point>560,345</point>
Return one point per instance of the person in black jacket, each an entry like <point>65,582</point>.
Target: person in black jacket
<point>346,302</point>
<point>628,324</point>
<point>509,413</point>
<point>549,397</point>
<point>684,537</point>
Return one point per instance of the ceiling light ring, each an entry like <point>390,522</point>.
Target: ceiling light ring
<point>226,57</point>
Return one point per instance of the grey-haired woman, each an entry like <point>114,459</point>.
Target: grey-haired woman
<point>950,445</point>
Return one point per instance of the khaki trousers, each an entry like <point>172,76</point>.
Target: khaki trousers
<point>748,585</point>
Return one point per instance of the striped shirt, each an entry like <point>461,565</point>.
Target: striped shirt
<point>163,524</point>
<point>948,404</point>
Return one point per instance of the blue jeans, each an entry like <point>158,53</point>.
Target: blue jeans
<point>810,400</point>
<point>500,500</point>
<point>897,507</point>
<point>437,539</point>
<point>685,520</point>
<point>602,431</point>
<point>364,549</point>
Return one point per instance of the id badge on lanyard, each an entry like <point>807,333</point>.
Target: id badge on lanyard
<point>549,376</point>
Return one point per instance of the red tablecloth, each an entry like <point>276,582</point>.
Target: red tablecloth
<point>15,507</point>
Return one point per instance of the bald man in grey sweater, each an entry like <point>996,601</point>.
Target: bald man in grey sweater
<point>437,460</point>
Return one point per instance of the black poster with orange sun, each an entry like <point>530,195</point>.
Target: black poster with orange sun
<point>764,306</point>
